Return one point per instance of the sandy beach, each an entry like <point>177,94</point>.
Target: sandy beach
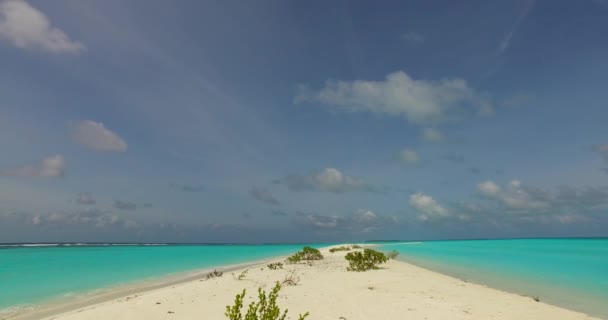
<point>397,291</point>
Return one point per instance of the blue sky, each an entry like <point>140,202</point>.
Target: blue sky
<point>281,121</point>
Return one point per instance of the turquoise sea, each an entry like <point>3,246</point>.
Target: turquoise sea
<point>572,273</point>
<point>31,274</point>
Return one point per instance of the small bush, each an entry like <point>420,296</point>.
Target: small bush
<point>332,250</point>
<point>275,266</point>
<point>214,274</point>
<point>242,275</point>
<point>291,279</point>
<point>363,261</point>
<point>294,259</point>
<point>265,309</point>
<point>307,254</point>
<point>356,246</point>
<point>392,254</point>
<point>312,254</point>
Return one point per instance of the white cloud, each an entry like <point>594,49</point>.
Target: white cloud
<point>52,166</point>
<point>49,167</point>
<point>488,188</point>
<point>432,135</point>
<point>419,101</point>
<point>517,201</point>
<point>517,196</point>
<point>408,156</point>
<point>28,28</point>
<point>413,37</point>
<point>427,206</point>
<point>85,198</point>
<point>362,220</point>
<point>326,180</point>
<point>263,195</point>
<point>88,217</point>
<point>323,222</point>
<point>96,136</point>
<point>364,216</point>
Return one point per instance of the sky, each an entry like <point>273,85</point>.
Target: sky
<point>302,121</point>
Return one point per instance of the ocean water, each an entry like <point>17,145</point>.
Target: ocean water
<point>572,273</point>
<point>32,274</point>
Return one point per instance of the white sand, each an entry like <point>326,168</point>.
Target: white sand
<point>397,291</point>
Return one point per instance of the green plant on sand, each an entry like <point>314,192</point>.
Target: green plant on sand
<point>307,254</point>
<point>275,266</point>
<point>392,254</point>
<point>265,309</point>
<point>242,275</point>
<point>214,274</point>
<point>363,261</point>
<point>356,246</point>
<point>332,250</point>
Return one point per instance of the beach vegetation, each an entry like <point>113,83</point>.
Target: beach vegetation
<point>369,259</point>
<point>332,250</point>
<point>265,308</point>
<point>275,266</point>
<point>392,254</point>
<point>308,254</point>
<point>296,258</point>
<point>291,279</point>
<point>356,246</point>
<point>214,274</point>
<point>241,275</point>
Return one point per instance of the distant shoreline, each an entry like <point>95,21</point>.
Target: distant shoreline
<point>70,244</point>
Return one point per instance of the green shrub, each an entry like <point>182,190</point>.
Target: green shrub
<point>356,246</point>
<point>275,266</point>
<point>311,254</point>
<point>214,274</point>
<point>242,275</point>
<point>392,254</point>
<point>367,260</point>
<point>265,309</point>
<point>294,259</point>
<point>332,250</point>
<point>307,254</point>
